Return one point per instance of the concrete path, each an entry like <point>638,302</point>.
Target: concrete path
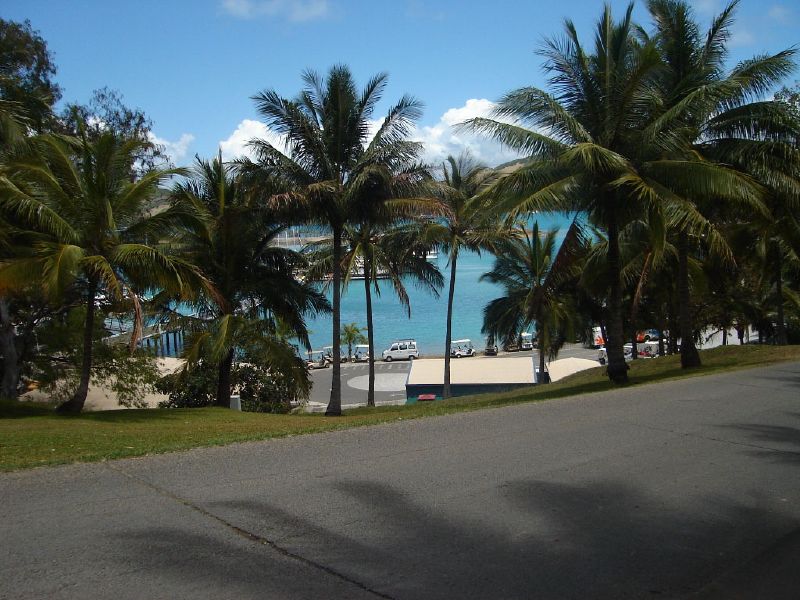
<point>685,489</point>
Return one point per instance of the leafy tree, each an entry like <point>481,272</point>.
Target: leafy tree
<point>330,169</point>
<point>106,112</point>
<point>255,290</point>
<point>91,230</point>
<point>26,72</point>
<point>351,334</point>
<point>462,223</point>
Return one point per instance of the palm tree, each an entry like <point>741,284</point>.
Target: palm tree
<point>330,169</point>
<point>592,149</point>
<point>535,280</point>
<point>351,334</point>
<point>372,252</point>
<point>462,223</point>
<point>255,290</point>
<point>94,229</point>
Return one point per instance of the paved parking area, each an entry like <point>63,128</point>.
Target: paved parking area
<point>390,378</point>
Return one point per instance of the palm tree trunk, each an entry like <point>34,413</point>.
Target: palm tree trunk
<point>335,404</point>
<point>75,404</point>
<point>8,348</point>
<point>449,334</point>
<point>617,367</point>
<point>224,381</point>
<point>541,353</point>
<point>780,337</point>
<point>370,340</point>
<point>690,357</point>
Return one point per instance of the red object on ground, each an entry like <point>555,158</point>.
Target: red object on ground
<point>426,397</point>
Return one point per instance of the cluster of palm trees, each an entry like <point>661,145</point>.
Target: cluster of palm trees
<point>662,149</point>
<point>681,181</point>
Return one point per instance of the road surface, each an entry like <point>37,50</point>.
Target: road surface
<point>657,491</point>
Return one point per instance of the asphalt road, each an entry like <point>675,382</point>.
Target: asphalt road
<point>655,491</point>
<point>390,378</point>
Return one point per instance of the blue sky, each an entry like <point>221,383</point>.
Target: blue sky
<point>193,65</point>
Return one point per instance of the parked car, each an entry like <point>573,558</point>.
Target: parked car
<point>361,353</point>
<point>401,350</point>
<point>317,359</point>
<point>647,335</point>
<point>491,347</point>
<point>461,348</point>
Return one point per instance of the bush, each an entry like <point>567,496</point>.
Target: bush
<point>259,391</point>
<point>189,388</point>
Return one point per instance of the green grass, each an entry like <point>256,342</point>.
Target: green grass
<point>32,435</point>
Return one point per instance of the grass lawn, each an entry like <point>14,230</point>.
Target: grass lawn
<point>32,435</point>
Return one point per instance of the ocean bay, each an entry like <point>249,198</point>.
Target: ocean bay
<point>427,323</point>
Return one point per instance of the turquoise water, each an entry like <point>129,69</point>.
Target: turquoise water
<point>428,314</point>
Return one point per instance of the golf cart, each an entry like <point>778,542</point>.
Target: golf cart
<point>461,348</point>
<point>329,354</point>
<point>361,353</point>
<point>317,359</point>
<point>491,347</point>
<point>526,341</point>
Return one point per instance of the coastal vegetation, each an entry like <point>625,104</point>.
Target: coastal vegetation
<point>680,177</point>
<point>34,436</point>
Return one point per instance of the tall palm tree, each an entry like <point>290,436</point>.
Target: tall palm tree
<point>330,169</point>
<point>255,289</point>
<point>462,222</point>
<point>94,229</point>
<point>535,277</point>
<point>708,112</point>
<point>592,148</point>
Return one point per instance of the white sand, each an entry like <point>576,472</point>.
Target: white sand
<point>102,398</point>
<point>567,366</point>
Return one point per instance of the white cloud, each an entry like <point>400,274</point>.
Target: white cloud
<point>175,150</point>
<point>237,143</point>
<point>778,12</point>
<point>439,140</point>
<point>442,139</point>
<point>293,10</point>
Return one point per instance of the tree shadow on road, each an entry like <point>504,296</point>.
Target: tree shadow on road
<point>536,540</point>
<point>776,442</point>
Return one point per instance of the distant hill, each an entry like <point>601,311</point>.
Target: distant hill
<point>511,165</point>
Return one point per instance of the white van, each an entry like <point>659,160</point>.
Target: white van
<point>401,350</point>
